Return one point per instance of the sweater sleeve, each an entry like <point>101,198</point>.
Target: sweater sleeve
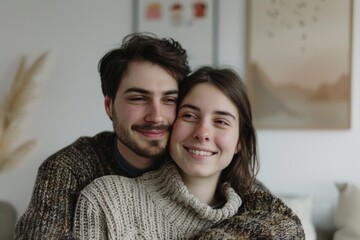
<point>89,221</point>
<point>263,216</point>
<point>50,212</point>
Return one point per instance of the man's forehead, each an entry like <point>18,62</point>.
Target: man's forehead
<point>147,78</point>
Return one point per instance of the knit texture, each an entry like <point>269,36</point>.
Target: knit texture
<point>59,181</point>
<point>63,175</point>
<point>156,205</point>
<point>262,216</point>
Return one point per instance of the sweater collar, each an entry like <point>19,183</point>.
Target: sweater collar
<point>166,184</point>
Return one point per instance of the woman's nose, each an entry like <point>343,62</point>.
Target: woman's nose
<point>202,133</point>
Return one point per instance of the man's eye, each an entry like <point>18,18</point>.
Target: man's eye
<point>170,101</point>
<point>137,99</point>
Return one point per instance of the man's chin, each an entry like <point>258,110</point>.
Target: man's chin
<point>158,153</point>
<point>149,148</point>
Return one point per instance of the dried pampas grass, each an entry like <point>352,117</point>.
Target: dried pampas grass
<point>13,111</point>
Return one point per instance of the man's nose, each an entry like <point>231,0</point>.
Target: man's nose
<point>155,113</point>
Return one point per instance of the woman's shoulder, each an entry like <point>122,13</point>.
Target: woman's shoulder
<point>108,186</point>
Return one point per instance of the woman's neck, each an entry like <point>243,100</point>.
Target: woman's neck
<point>205,189</point>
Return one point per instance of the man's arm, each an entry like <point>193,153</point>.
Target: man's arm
<point>262,216</point>
<point>50,212</point>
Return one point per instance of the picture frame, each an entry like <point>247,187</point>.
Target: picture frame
<point>193,23</point>
<point>299,63</point>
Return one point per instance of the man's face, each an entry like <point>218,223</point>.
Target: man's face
<point>143,112</point>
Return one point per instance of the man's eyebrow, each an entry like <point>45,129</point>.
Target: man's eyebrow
<point>137,90</point>
<point>171,92</point>
<point>144,91</point>
<point>225,113</point>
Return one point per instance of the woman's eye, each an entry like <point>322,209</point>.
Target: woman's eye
<point>188,116</point>
<point>222,122</point>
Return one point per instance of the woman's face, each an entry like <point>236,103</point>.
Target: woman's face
<point>205,134</point>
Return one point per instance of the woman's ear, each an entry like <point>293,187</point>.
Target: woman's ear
<point>108,106</point>
<point>238,148</point>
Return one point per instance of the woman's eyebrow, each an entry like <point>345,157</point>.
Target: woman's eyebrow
<point>224,113</point>
<point>189,106</point>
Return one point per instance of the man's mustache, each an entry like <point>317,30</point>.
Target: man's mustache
<point>151,127</point>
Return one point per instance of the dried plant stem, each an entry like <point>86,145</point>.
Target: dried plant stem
<point>13,110</point>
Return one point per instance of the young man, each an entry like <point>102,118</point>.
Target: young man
<point>140,84</point>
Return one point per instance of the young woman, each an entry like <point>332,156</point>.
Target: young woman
<point>205,188</point>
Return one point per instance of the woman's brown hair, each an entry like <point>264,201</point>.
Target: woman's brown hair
<point>244,166</point>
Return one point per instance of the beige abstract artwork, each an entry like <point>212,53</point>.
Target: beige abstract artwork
<point>299,63</point>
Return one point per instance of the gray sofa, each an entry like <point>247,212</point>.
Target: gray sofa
<point>7,220</point>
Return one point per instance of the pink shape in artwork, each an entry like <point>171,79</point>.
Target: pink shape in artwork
<point>153,11</point>
<point>199,9</point>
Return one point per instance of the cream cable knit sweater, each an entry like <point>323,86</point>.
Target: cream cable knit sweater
<point>154,206</point>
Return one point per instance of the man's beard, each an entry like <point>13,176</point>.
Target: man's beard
<point>153,148</point>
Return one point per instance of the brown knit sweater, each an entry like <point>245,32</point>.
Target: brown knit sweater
<point>60,179</point>
<point>262,216</point>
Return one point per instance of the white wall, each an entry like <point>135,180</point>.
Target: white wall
<point>70,102</point>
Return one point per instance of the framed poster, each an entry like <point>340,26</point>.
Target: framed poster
<point>190,22</point>
<point>299,63</point>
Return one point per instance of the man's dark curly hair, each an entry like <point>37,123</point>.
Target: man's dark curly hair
<point>164,52</point>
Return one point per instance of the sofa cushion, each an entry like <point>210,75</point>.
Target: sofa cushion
<point>302,207</point>
<point>347,214</point>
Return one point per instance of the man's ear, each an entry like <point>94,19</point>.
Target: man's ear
<point>108,106</point>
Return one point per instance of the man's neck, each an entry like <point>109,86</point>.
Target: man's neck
<point>133,159</point>
<point>126,166</point>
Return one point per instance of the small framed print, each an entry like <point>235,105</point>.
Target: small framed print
<point>190,22</point>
